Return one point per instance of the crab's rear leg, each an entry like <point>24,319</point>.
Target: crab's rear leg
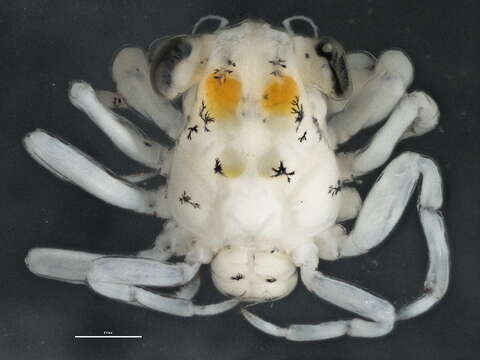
<point>392,75</point>
<point>379,214</point>
<point>72,267</point>
<point>129,139</point>
<point>349,297</point>
<point>70,164</point>
<point>123,278</point>
<point>382,210</point>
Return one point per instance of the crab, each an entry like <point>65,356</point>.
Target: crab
<point>256,186</point>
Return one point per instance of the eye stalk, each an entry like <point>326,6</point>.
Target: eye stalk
<point>164,55</point>
<point>334,53</point>
<point>327,48</point>
<point>253,275</point>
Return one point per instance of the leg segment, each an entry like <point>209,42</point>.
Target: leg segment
<point>327,242</point>
<point>382,210</point>
<point>415,115</point>
<point>140,177</point>
<point>189,290</point>
<point>350,203</point>
<point>348,297</point>
<point>178,304</point>
<point>361,68</point>
<point>110,99</point>
<point>138,271</point>
<point>131,73</point>
<point>393,73</point>
<point>62,265</point>
<point>130,140</point>
<point>323,331</point>
<point>118,277</point>
<point>72,165</point>
<point>180,307</point>
<point>76,266</point>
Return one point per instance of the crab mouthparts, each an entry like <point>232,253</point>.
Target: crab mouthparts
<point>254,275</point>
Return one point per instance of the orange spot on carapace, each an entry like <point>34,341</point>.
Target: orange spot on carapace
<point>279,94</point>
<point>222,94</point>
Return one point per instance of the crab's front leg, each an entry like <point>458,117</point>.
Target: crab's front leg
<point>415,115</point>
<point>70,164</point>
<point>131,72</point>
<point>392,75</point>
<point>129,139</point>
<point>124,279</point>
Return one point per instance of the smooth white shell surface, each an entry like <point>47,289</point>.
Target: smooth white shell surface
<point>261,203</point>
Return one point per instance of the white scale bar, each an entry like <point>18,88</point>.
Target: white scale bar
<point>108,336</point>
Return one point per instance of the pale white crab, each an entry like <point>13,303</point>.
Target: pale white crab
<point>254,185</point>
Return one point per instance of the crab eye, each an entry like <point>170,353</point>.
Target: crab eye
<point>334,53</point>
<point>327,48</point>
<point>222,94</point>
<point>165,55</point>
<point>279,94</point>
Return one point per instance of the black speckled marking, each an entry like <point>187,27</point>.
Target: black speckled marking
<point>282,171</point>
<point>218,169</point>
<point>335,189</point>
<point>192,129</point>
<point>205,116</point>
<point>297,110</point>
<point>303,137</point>
<point>187,199</point>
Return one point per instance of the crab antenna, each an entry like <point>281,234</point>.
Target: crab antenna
<point>223,22</point>
<point>288,27</point>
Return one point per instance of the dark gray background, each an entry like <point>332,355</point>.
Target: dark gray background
<point>44,44</point>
